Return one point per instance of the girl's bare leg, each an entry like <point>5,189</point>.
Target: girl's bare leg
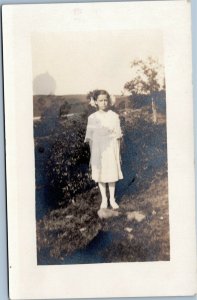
<point>113,203</point>
<point>102,187</point>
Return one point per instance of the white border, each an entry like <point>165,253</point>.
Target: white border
<point>27,280</point>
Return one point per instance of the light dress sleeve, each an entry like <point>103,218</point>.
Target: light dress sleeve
<point>118,128</point>
<point>89,130</point>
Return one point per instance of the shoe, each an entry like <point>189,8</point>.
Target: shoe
<point>113,204</point>
<point>103,203</point>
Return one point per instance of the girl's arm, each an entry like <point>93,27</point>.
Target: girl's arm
<point>118,128</point>
<point>119,147</point>
<point>121,143</point>
<point>89,129</point>
<point>89,141</point>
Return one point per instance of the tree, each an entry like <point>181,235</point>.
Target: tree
<point>65,109</point>
<point>147,79</point>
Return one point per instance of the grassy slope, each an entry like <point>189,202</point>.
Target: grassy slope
<point>148,239</point>
<point>64,230</point>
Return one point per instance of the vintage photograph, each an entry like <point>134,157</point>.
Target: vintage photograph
<point>101,171</point>
<point>99,149</point>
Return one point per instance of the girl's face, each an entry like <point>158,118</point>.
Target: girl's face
<point>102,102</point>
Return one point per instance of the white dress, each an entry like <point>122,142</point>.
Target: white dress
<point>103,132</point>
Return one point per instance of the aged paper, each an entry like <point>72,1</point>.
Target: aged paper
<point>27,31</point>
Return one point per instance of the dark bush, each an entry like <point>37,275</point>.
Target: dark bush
<point>144,154</point>
<point>68,163</point>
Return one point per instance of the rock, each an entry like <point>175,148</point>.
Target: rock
<point>139,217</point>
<point>131,216</point>
<point>153,212</point>
<point>135,215</point>
<point>105,213</point>
<point>161,218</point>
<point>82,229</point>
<point>69,217</point>
<point>130,236</point>
<point>128,229</point>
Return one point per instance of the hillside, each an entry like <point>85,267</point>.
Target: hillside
<point>43,103</point>
<point>51,105</point>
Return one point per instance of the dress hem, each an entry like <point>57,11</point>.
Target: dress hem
<point>107,181</point>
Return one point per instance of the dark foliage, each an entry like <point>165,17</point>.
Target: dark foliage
<point>140,101</point>
<point>68,163</point>
<point>65,108</point>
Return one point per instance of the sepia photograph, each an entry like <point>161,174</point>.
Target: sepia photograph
<point>99,149</point>
<point>101,172</point>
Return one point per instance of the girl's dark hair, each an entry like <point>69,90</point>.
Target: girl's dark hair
<point>94,94</point>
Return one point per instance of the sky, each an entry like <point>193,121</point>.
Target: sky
<point>78,62</point>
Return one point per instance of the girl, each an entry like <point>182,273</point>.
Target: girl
<point>103,135</point>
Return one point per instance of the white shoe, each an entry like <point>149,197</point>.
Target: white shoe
<point>103,203</point>
<point>113,204</point>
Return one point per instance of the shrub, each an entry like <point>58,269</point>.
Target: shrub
<point>144,155</point>
<point>68,162</point>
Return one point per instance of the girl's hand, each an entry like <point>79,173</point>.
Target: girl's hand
<point>90,144</point>
<point>120,142</point>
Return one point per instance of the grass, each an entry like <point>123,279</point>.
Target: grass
<point>63,231</point>
<point>148,239</point>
